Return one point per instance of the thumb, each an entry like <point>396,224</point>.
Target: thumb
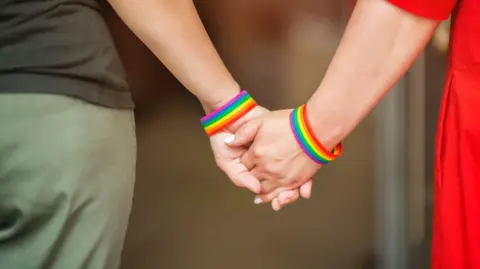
<point>245,134</point>
<point>250,182</point>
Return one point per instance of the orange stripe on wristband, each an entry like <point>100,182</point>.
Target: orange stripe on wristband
<point>306,139</point>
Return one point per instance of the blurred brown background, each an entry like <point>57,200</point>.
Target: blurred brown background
<point>187,214</point>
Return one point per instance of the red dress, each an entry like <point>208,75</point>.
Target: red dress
<point>456,228</point>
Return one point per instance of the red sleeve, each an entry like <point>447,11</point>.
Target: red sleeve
<point>430,9</point>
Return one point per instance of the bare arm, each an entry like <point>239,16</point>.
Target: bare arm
<point>173,31</point>
<point>379,45</point>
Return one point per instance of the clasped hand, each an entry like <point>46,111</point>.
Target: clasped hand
<point>261,154</point>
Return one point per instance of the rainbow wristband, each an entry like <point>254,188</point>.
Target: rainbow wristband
<point>308,142</point>
<point>228,113</point>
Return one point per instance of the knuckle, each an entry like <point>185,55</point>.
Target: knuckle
<point>267,189</point>
<point>274,170</point>
<point>248,128</point>
<point>269,168</point>
<point>291,182</point>
<point>237,183</point>
<point>257,152</point>
<point>295,181</point>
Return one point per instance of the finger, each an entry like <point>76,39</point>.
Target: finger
<point>241,177</point>
<point>306,189</point>
<point>275,205</point>
<point>245,135</point>
<point>269,184</point>
<point>250,182</point>
<point>270,190</point>
<point>248,160</point>
<point>257,172</point>
<point>288,197</point>
<point>269,197</point>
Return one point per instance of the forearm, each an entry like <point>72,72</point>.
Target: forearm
<point>379,45</point>
<point>172,30</point>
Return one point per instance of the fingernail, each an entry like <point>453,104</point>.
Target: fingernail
<point>258,200</point>
<point>276,205</point>
<point>229,139</point>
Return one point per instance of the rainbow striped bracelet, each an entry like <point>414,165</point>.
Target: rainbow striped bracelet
<point>229,113</point>
<point>306,138</point>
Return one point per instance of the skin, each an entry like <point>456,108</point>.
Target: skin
<point>380,43</point>
<point>172,30</point>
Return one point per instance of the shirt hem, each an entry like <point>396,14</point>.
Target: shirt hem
<point>88,91</point>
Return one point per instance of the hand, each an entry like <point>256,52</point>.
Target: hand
<point>228,158</point>
<point>275,158</point>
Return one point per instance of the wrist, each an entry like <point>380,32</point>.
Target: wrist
<point>219,99</point>
<point>252,114</point>
<point>326,125</point>
<point>229,115</point>
<point>317,148</point>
